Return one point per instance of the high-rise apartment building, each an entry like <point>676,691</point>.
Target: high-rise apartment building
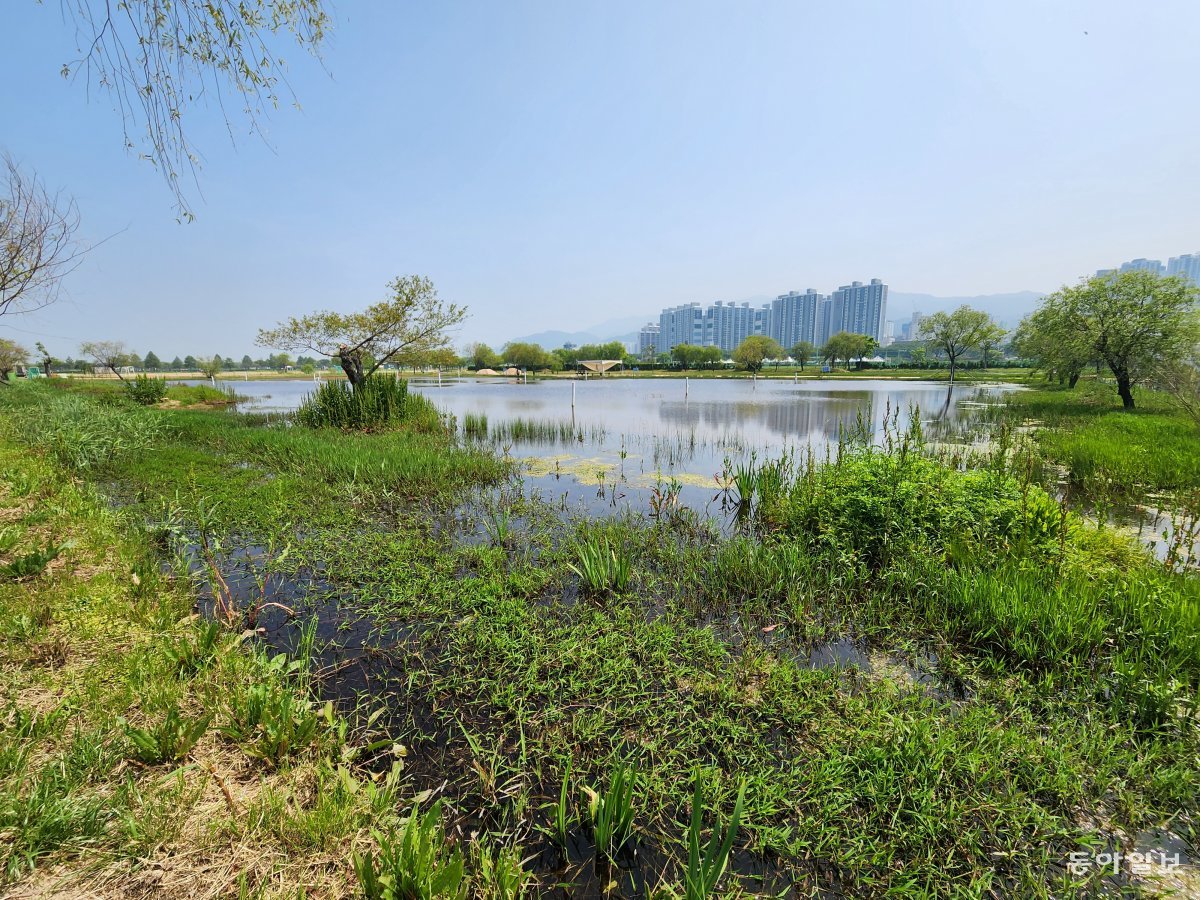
<point>794,317</point>
<point>1137,265</point>
<point>648,340</point>
<point>789,318</point>
<point>681,325</point>
<point>1186,265</point>
<point>858,308</point>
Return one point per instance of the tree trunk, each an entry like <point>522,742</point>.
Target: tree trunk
<point>1124,389</point>
<point>952,367</point>
<point>351,363</point>
<point>1074,379</point>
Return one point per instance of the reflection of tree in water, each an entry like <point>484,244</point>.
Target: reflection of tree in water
<point>801,414</point>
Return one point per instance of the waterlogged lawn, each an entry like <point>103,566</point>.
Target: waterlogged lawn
<point>1152,448</point>
<point>927,682</point>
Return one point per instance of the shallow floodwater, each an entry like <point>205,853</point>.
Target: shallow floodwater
<point>605,444</point>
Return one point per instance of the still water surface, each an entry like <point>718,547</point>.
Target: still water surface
<point>630,438</point>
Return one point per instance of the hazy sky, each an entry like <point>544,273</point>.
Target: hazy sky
<point>553,165</point>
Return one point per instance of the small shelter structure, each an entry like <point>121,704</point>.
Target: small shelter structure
<point>599,366</point>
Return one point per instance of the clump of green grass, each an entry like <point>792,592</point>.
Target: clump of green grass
<point>170,740</point>
<point>381,401</point>
<point>706,863</point>
<point>475,425</point>
<point>33,563</point>
<point>270,721</point>
<point>145,390</point>
<point>602,566</point>
<point>194,394</point>
<point>612,810</point>
<point>79,432</point>
<point>413,865</point>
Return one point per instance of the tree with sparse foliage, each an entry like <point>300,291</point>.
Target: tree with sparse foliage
<point>954,334</point>
<point>38,247</point>
<point>412,323</point>
<point>12,355</point>
<point>111,355</point>
<point>751,353</point>
<point>156,58</point>
<point>47,359</point>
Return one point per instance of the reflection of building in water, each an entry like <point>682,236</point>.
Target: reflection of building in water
<point>804,415</point>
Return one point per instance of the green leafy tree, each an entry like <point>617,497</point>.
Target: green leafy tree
<point>610,350</point>
<point>481,356</point>
<point>708,357</point>
<point>12,355</point>
<point>1135,322</point>
<point>845,345</point>
<point>247,362</point>
<point>525,355</point>
<point>191,363</point>
<point>954,334</point>
<point>754,350</point>
<point>177,364</point>
<point>209,366</point>
<point>409,325</point>
<point>802,351</point>
<point>989,340</point>
<point>687,355</point>
<point>151,363</point>
<point>1056,342</point>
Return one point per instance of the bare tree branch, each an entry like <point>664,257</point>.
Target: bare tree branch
<point>158,58</point>
<point>38,247</point>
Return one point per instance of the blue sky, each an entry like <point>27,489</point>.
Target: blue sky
<point>553,165</point>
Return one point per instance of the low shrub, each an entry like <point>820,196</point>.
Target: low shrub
<point>882,506</point>
<point>146,390</point>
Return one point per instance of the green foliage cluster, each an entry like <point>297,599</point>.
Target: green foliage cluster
<point>881,507</point>
<point>381,401</point>
<point>78,432</point>
<point>146,390</point>
<point>415,864</point>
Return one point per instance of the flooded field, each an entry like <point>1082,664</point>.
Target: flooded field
<point>599,445</point>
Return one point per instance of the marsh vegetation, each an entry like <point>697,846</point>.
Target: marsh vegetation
<point>271,658</point>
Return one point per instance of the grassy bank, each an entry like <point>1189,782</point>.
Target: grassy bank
<point>1016,686</point>
<point>1105,448</point>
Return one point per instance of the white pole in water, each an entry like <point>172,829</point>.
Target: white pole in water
<point>572,395</point>
<point>439,377</point>
<point>685,387</point>
<point>525,374</point>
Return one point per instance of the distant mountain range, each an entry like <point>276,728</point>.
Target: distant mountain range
<point>1007,309</point>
